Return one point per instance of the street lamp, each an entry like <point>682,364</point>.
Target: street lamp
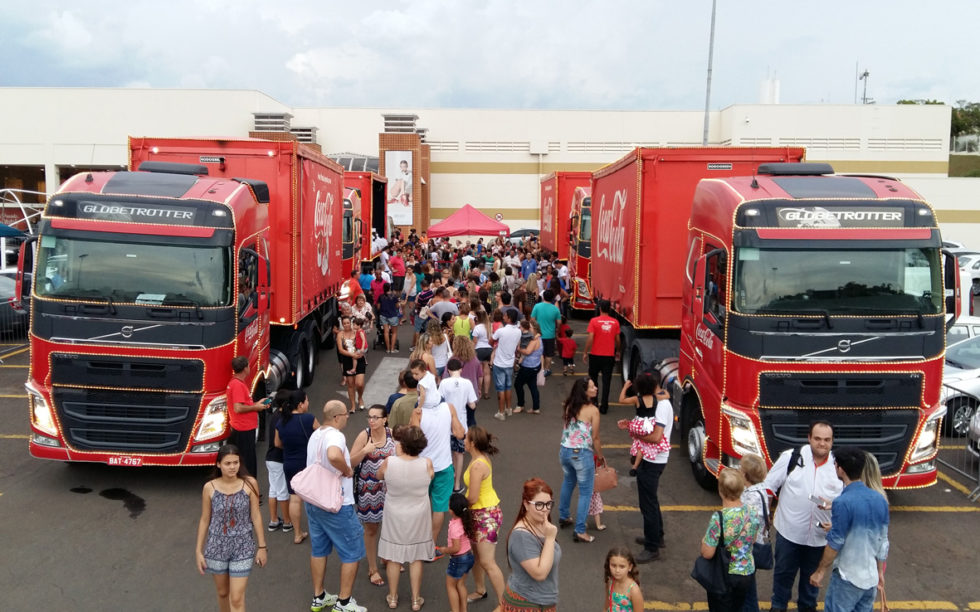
<point>864,97</point>
<point>707,95</point>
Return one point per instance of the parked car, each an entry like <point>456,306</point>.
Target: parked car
<point>961,385</point>
<point>973,437</point>
<point>522,235</point>
<point>966,327</point>
<point>13,322</point>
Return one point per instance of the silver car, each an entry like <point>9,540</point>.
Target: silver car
<point>961,385</point>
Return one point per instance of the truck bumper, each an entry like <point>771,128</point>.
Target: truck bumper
<point>60,453</point>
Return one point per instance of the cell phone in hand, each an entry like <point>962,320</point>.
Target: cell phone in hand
<point>821,503</point>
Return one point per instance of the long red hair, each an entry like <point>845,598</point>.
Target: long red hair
<point>531,488</point>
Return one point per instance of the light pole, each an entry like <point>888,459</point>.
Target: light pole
<point>707,95</point>
<point>864,77</point>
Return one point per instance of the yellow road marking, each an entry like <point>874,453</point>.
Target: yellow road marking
<point>953,483</point>
<point>973,605</point>
<point>15,436</point>
<point>13,366</point>
<point>696,606</point>
<point>681,508</point>
<point>22,395</point>
<point>12,353</point>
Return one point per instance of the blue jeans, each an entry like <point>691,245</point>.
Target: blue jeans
<point>842,596</point>
<point>579,468</point>
<point>790,559</point>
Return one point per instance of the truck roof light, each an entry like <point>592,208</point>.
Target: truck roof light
<point>752,212</point>
<point>802,169</point>
<point>219,213</point>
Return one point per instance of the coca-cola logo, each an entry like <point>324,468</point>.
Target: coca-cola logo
<point>612,231</point>
<point>705,337</point>
<point>547,224</point>
<point>322,228</point>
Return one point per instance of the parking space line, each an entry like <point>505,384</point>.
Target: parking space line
<point>13,366</point>
<point>14,436</point>
<point>21,395</point>
<point>973,605</point>
<point>953,483</point>
<point>12,353</point>
<point>697,606</point>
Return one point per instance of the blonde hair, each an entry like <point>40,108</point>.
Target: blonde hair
<point>463,349</point>
<point>871,474</point>
<point>753,468</point>
<point>531,286</point>
<point>730,484</point>
<point>421,348</point>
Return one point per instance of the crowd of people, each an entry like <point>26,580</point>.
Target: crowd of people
<point>487,314</point>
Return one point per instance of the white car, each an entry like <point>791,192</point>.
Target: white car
<point>961,385</point>
<point>966,327</point>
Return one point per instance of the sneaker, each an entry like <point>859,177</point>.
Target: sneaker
<point>287,527</point>
<point>350,607</point>
<point>499,416</point>
<point>547,373</point>
<point>321,601</point>
<point>508,411</point>
<point>273,526</point>
<point>519,410</point>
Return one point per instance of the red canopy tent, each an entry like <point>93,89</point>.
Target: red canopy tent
<point>468,221</point>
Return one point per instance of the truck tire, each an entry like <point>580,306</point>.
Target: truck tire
<point>695,438</point>
<point>300,375</point>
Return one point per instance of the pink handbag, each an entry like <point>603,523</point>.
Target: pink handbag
<point>319,485</point>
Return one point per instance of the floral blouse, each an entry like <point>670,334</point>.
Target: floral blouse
<point>577,434</point>
<point>741,527</point>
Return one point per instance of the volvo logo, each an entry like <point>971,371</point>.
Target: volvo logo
<point>844,346</point>
<point>126,331</point>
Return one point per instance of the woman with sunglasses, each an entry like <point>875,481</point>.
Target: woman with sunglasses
<point>533,554</point>
<point>369,451</point>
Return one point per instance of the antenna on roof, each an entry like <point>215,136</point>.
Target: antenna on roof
<point>755,183</point>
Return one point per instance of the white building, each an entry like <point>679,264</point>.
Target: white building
<point>492,159</point>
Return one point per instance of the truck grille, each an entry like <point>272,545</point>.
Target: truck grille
<point>126,421</point>
<point>885,434</point>
<point>782,390</point>
<point>132,372</point>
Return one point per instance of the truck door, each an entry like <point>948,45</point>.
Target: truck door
<point>709,324</point>
<point>248,304</point>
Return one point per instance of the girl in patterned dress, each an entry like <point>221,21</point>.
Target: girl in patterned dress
<point>623,593</point>
<point>369,451</point>
<point>229,527</point>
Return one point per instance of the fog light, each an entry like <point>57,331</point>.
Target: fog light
<point>920,468</point>
<point>40,440</point>
<point>210,447</point>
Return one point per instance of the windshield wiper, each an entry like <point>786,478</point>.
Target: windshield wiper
<point>917,312</point>
<point>181,299</point>
<point>84,294</point>
<point>819,311</point>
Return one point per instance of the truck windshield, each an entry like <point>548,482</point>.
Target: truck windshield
<point>159,274</point>
<point>879,281</point>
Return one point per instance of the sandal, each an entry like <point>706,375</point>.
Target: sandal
<point>600,527</point>
<point>566,522</point>
<point>302,538</point>
<point>380,582</point>
<point>392,600</point>
<point>417,603</point>
<point>476,596</point>
<point>583,538</point>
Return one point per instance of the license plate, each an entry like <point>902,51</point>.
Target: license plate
<point>128,461</point>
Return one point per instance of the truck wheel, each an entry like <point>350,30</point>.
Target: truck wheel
<point>301,377</point>
<point>696,439</point>
<point>311,356</point>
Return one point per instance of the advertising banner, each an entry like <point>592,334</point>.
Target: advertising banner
<point>398,170</point>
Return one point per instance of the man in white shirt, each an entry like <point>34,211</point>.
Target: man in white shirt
<point>459,393</point>
<point>439,424</point>
<point>508,338</point>
<point>806,482</point>
<point>342,530</point>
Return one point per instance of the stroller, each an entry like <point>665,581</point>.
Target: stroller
<point>379,336</point>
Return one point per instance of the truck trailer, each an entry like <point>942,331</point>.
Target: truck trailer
<point>564,213</point>
<point>148,282</point>
<point>749,374</point>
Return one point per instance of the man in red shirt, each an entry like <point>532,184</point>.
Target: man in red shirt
<point>243,414</point>
<point>353,286</point>
<point>602,350</point>
<point>397,266</point>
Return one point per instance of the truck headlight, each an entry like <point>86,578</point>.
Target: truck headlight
<point>583,289</point>
<point>744,439</point>
<point>928,441</point>
<point>215,419</point>
<point>41,416</point>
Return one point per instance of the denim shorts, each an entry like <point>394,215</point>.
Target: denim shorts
<point>460,565</point>
<point>341,530</point>
<point>393,321</point>
<point>503,378</point>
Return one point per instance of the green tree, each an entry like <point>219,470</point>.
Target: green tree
<point>965,119</point>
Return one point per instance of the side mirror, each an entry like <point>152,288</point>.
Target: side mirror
<point>25,273</point>
<point>953,290</point>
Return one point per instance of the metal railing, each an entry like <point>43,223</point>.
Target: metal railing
<point>960,447</point>
<point>20,211</point>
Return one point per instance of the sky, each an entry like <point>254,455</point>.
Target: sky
<point>529,54</point>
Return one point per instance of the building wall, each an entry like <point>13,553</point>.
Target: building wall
<point>492,159</point>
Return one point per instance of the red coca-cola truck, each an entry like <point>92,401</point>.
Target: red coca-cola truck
<point>148,282</point>
<point>564,214</point>
<point>798,295</point>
